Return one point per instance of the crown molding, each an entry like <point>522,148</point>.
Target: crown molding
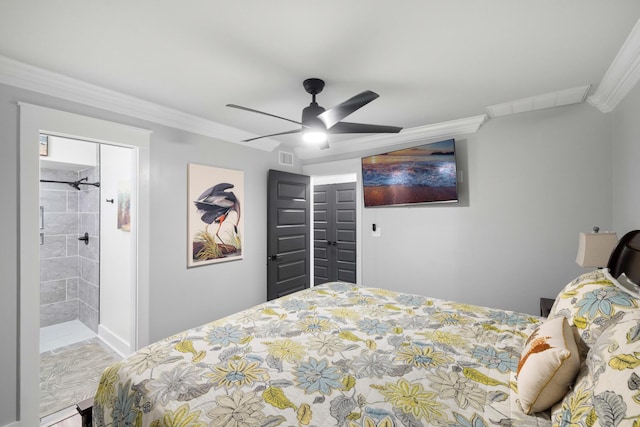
<point>558,98</point>
<point>29,77</point>
<point>622,75</point>
<point>427,133</point>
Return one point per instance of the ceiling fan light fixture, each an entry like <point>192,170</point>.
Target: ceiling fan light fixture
<point>314,136</point>
<point>316,122</point>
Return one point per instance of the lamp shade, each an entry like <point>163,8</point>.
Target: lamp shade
<point>594,249</point>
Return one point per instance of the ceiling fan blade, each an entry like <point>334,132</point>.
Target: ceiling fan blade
<point>240,107</point>
<point>273,134</point>
<point>334,114</point>
<point>347,127</point>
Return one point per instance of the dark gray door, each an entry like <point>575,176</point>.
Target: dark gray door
<point>288,228</point>
<point>334,229</point>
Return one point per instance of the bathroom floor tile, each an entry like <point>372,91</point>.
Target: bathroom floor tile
<point>71,374</point>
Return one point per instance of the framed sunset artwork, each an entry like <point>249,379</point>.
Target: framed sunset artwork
<point>423,174</point>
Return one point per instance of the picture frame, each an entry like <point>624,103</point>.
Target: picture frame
<point>215,225</point>
<point>124,205</point>
<point>44,145</point>
<point>419,175</point>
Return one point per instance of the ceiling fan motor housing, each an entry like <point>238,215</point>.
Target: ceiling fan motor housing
<point>313,86</point>
<point>310,117</point>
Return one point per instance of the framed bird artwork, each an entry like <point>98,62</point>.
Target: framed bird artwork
<point>215,223</point>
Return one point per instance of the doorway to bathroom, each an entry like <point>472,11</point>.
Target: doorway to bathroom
<point>36,120</point>
<point>87,219</point>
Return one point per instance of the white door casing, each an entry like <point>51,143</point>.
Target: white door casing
<point>33,121</point>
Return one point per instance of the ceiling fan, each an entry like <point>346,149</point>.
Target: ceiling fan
<point>317,122</point>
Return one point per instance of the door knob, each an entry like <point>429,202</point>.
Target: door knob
<point>273,257</point>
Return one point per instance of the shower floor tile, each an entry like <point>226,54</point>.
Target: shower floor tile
<point>63,334</point>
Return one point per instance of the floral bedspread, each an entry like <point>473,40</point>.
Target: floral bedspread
<point>336,354</point>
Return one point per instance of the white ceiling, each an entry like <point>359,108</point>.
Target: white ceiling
<point>430,61</point>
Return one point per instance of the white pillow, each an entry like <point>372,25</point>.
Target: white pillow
<point>548,365</point>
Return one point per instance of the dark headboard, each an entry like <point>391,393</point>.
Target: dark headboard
<point>625,258</point>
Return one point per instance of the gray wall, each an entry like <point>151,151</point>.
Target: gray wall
<point>626,163</point>
<point>532,182</point>
<point>8,256</point>
<point>179,298</point>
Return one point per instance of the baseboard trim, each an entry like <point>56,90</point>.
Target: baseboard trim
<point>116,343</point>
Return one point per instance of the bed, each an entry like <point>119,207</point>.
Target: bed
<point>346,355</point>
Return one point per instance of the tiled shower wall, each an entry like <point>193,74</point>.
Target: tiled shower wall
<point>59,253</point>
<point>89,255</point>
<point>69,269</point>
